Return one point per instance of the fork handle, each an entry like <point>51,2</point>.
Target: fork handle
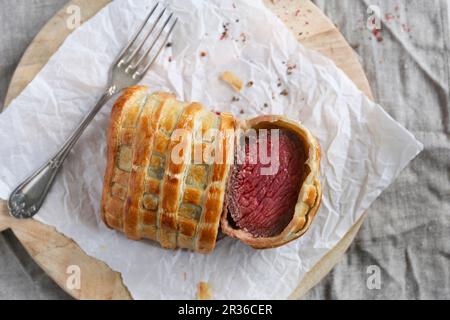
<point>26,200</point>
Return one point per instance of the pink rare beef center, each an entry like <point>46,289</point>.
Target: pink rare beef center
<point>263,205</point>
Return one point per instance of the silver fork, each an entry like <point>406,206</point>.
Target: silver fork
<point>127,70</point>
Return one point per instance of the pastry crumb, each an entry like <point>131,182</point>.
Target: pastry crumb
<point>204,291</point>
<point>232,80</point>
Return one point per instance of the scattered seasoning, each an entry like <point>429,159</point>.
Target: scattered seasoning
<point>355,45</point>
<point>290,69</point>
<point>237,20</point>
<point>170,59</point>
<point>234,5</point>
<point>389,17</point>
<point>226,29</point>
<point>266,105</point>
<point>300,33</point>
<point>242,111</point>
<point>284,93</point>
<point>169,44</point>
<point>279,83</point>
<point>297,13</point>
<point>377,34</point>
<point>406,28</point>
<point>250,84</point>
<point>203,54</point>
<point>235,99</point>
<point>243,37</point>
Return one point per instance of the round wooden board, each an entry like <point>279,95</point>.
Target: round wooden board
<point>55,253</point>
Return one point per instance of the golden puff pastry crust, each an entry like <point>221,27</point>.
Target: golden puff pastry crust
<point>148,194</point>
<point>310,193</point>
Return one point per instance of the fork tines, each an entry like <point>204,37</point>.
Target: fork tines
<point>146,45</point>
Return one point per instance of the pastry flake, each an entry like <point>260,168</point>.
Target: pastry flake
<point>234,81</point>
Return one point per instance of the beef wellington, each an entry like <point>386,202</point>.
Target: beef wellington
<point>169,180</point>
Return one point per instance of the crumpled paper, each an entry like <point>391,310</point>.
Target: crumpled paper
<point>363,148</point>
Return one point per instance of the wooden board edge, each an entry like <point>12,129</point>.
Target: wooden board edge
<point>53,259</point>
<point>314,39</point>
<point>315,275</point>
<point>4,215</point>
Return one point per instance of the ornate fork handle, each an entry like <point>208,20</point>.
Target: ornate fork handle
<point>26,200</point>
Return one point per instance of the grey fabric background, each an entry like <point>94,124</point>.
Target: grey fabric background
<point>407,233</point>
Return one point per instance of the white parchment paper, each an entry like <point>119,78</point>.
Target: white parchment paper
<point>363,148</point>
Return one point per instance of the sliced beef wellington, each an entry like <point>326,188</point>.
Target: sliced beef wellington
<point>148,193</point>
<point>269,209</point>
